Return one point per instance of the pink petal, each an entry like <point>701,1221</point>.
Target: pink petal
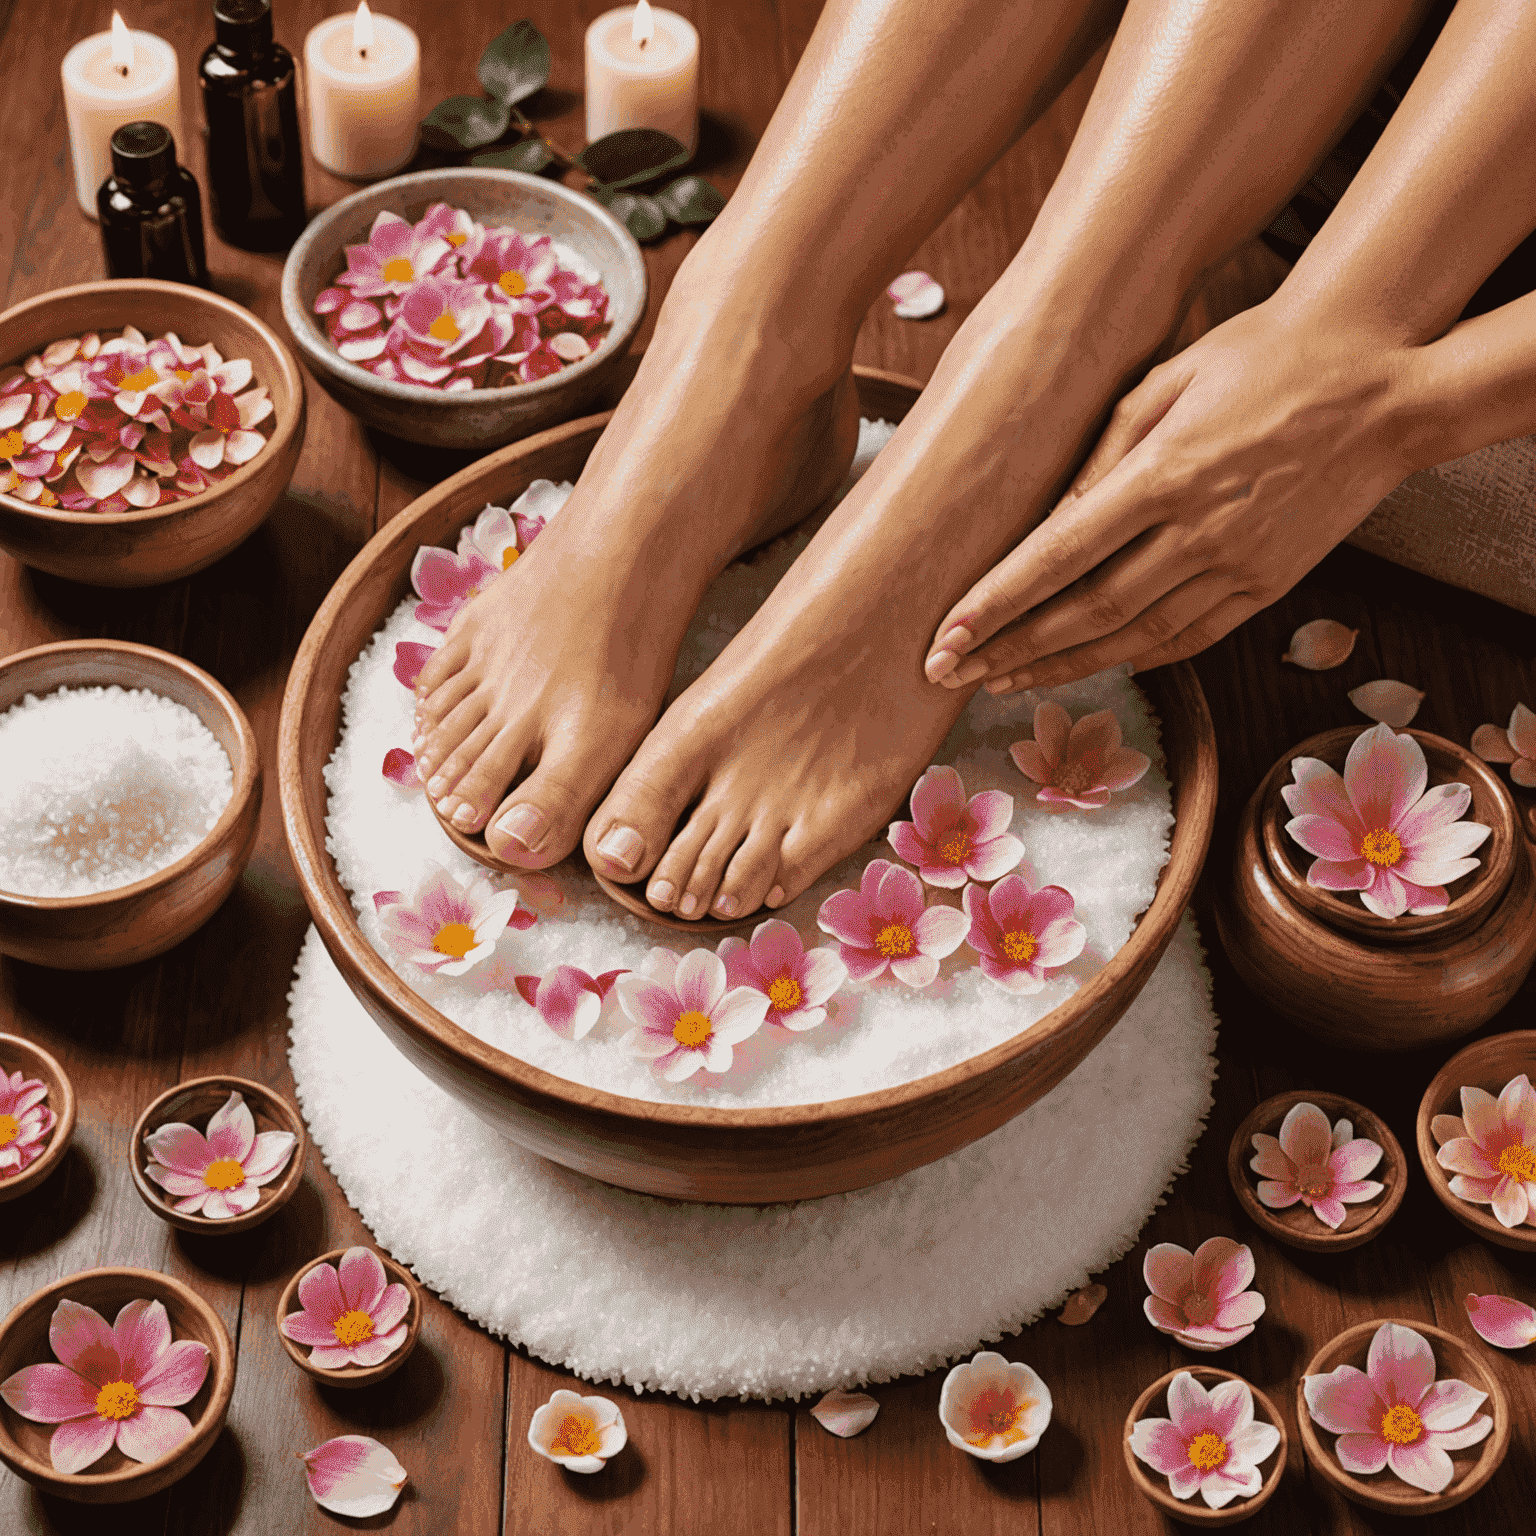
<point>1278,1194</point>
<point>1324,838</point>
<point>1344,1401</point>
<point>1490,742</point>
<point>1385,774</point>
<point>1329,1209</point>
<point>1239,1311</point>
<point>1053,727</point>
<point>1169,1272</point>
<point>176,1377</point>
<point>938,800</point>
<point>1222,1268</point>
<point>1163,1314</point>
<point>1269,1160</point>
<point>391,1307</point>
<point>232,1130</point>
<point>410,658</point>
<point>923,298</point>
<point>1449,1405</point>
<point>1319,791</point>
<point>353,1475</point>
<point>907,842</point>
<point>1097,732</point>
<point>1393,703</point>
<point>1354,1160</point>
<point>846,915</point>
<point>862,964</point>
<point>1424,1465</point>
<point>1031,761</point>
<point>1189,1405</point>
<point>1478,1191</point>
<point>993,859</point>
<point>240,446</point>
<point>1511,1205</point>
<point>104,479</point>
<point>1459,1439</point>
<point>78,1443</point>
<point>1400,1363</point>
<point>152,1432</point>
<point>1231,1408</point>
<point>1357,875</point>
<point>362,1279</point>
<point>1361,1453</point>
<point>143,1332</point>
<point>1522,731</point>
<point>1124,767</point>
<point>82,1340</point>
<point>374,1351</point>
<point>939,931</point>
<point>845,1414</point>
<point>1386,895</point>
<point>700,980</point>
<point>1432,827</point>
<point>916,970</point>
<point>306,1328</point>
<point>1357,1190</point>
<point>992,813</point>
<point>1321,645</point>
<point>1061,941</point>
<point>320,1293</point>
<point>206,450</point>
<point>1159,1443</point>
<point>49,1393</point>
<point>1306,1137</point>
<point>1517,1105</point>
<point>778,951</point>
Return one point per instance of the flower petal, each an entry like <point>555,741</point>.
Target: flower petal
<point>1501,1320</point>
<point>362,1279</point>
<point>77,1443</point>
<point>320,1293</point>
<point>152,1432</point>
<point>353,1475</point>
<point>49,1393</point>
<point>143,1333</point>
<point>1169,1271</point>
<point>1423,1464</point>
<point>1306,1137</point>
<point>1361,1453</point>
<point>1321,645</point>
<point>1400,1363</point>
<point>1391,702</point>
<point>1492,744</point>
<point>844,1414</point>
<point>82,1340</point>
<point>1344,1401</point>
<point>1449,1405</point>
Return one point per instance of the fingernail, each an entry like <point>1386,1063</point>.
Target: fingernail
<point>436,785</point>
<point>524,824</point>
<point>624,846</point>
<point>957,639</point>
<point>996,684</point>
<point>776,896</point>
<point>940,664</point>
<point>661,893</point>
<point>969,671</point>
<point>726,905</point>
<point>464,817</point>
<point>687,904</point>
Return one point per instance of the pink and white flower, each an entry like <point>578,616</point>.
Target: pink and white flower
<point>993,1408</point>
<point>451,224</point>
<point>1079,764</point>
<point>441,317</point>
<point>567,999</point>
<point>400,768</point>
<point>514,270</point>
<point>24,1122</point>
<point>952,839</point>
<point>1491,1149</point>
<point>884,925</point>
<point>353,1475</point>
<point>352,1314</point>
<point>1514,744</point>
<point>230,438</point>
<point>1502,1321</point>
<point>686,1015</point>
<point>499,535</point>
<point>1322,1166</point>
<point>1395,1414</point>
<point>446,582</point>
<point>1378,830</point>
<point>1210,1444</point>
<point>447,927</point>
<point>410,658</point>
<point>1202,1298</point>
<point>797,982</point>
<point>120,1385</point>
<point>578,1433</point>
<point>397,256</point>
<point>1020,934</point>
<point>218,1175</point>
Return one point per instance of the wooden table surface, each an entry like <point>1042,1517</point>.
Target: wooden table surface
<point>456,1415</point>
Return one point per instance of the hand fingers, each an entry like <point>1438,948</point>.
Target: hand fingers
<point>1135,414</point>
<point>1216,625</point>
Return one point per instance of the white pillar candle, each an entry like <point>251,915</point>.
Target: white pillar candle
<point>640,81</point>
<point>110,79</point>
<point>362,80</point>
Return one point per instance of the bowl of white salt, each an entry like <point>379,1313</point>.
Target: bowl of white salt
<point>130,788</point>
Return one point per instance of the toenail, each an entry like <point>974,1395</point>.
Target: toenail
<point>687,905</point>
<point>661,893</point>
<point>726,905</point>
<point>956,637</point>
<point>525,824</point>
<point>423,768</point>
<point>940,664</point>
<point>447,806</point>
<point>998,684</point>
<point>464,817</point>
<point>624,846</point>
<point>969,671</point>
<point>436,785</point>
<point>775,896</point>
<point>1022,679</point>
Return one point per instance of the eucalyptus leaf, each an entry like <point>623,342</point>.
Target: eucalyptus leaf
<point>642,216</point>
<point>632,156</point>
<point>530,157</point>
<point>690,200</point>
<point>515,63</point>
<point>465,122</point>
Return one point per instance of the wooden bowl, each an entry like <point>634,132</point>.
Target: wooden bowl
<point>480,418</point>
<point>192,1103</point>
<point>1384,1490</point>
<point>687,1151</point>
<point>19,1055</point>
<point>351,1375</point>
<point>1486,1064</point>
<point>134,922</point>
<point>1195,1511</point>
<point>115,1478</point>
<point>138,548</point>
<point>1296,1226</point>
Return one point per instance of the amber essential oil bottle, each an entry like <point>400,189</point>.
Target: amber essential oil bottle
<point>150,209</point>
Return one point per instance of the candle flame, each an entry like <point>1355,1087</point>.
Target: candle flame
<point>643,27</point>
<point>122,44</point>
<point>362,28</point>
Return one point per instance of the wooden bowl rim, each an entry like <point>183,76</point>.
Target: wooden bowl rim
<point>334,917</point>
<point>221,1367</point>
<point>1444,1088</point>
<point>351,1375</point>
<point>246,772</point>
<point>64,1114</point>
<point>325,357</point>
<point>1187,1509</point>
<point>1335,1106</point>
<point>1490,1457</point>
<point>279,1192</point>
<point>282,433</point>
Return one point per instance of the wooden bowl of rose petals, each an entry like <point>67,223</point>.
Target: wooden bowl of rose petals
<point>146,429</point>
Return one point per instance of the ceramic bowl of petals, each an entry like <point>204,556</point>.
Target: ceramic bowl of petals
<point>1505,1138</point>
<point>1328,1179</point>
<point>359,1312</point>
<point>35,1127</point>
<point>114,1476</point>
<point>689,1151</point>
<point>487,411</point>
<point>241,1162</point>
<point>1365,981</point>
<point>124,924</point>
<point>139,545</point>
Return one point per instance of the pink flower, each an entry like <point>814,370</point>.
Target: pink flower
<point>993,1408</point>
<point>952,840</point>
<point>1322,1166</point>
<point>1202,1298</point>
<point>884,923</point>
<point>397,256</point>
<point>1081,764</point>
<point>685,1016</point>
<point>219,1175</point>
<point>24,1121</point>
<point>1502,1321</point>
<point>567,999</point>
<point>353,1475</point>
<point>1491,1149</point>
<point>1395,1414</point>
<point>1211,1445</point>
<point>447,927</point>
<point>442,317</point>
<point>1515,746</point>
<point>514,270</point>
<point>351,1314</point>
<point>447,582</point>
<point>1020,934</point>
<point>579,1433</point>
<point>400,768</point>
<point>776,963</point>
<point>501,534</point>
<point>230,439</point>
<point>410,658</point>
<point>451,224</point>
<point>118,1385</point>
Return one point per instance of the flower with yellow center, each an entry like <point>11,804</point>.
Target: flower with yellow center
<point>352,1328</point>
<point>577,1436</point>
<point>398,269</point>
<point>513,284</point>
<point>895,941</point>
<point>692,1029</point>
<point>1020,945</point>
<point>1519,1162</point>
<point>444,328</point>
<point>1382,847</point>
<point>578,1433</point>
<point>454,940</point>
<point>118,1400</point>
<point>1207,1451</point>
<point>997,1412</point>
<point>10,1129</point>
<point>1401,1425</point>
<point>12,443</point>
<point>994,1409</point>
<point>784,994</point>
<point>224,1173</point>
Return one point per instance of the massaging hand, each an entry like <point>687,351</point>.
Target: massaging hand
<point>1219,482</point>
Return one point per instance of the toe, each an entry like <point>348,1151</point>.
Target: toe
<point>431,711</point>
<point>751,874</point>
<point>669,880</point>
<point>633,826</point>
<point>803,859</point>
<point>700,886</point>
<point>486,764</point>
<point>448,659</point>
<point>540,822</point>
<point>443,740</point>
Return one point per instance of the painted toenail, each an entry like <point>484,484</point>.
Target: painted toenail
<point>688,904</point>
<point>940,664</point>
<point>661,893</point>
<point>624,846</point>
<point>436,785</point>
<point>726,905</point>
<point>775,896</point>
<point>525,824</point>
<point>969,671</point>
<point>464,817</point>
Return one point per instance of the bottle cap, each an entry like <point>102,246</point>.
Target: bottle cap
<point>142,154</point>
<point>243,26</point>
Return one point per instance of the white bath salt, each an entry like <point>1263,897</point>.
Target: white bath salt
<point>102,787</point>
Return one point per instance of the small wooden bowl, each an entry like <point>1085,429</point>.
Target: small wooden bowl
<point>193,1103</point>
<point>1296,1226</point>
<point>1195,1511</point>
<point>351,1375</point>
<point>18,1055</point>
<point>115,1478</point>
<point>138,548</point>
<point>1486,1064</point>
<point>135,922</point>
<point>1384,1490</point>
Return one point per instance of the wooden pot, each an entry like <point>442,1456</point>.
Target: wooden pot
<point>351,1375</point>
<point>134,922</point>
<point>1364,982</point>
<point>32,1061</point>
<point>691,1152</point>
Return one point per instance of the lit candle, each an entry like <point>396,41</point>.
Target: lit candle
<point>362,78</point>
<point>643,72</point>
<point>110,79</point>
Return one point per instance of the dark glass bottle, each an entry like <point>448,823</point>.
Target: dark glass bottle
<point>255,162</point>
<point>151,211</point>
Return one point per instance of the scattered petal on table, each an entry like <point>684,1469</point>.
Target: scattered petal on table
<point>1390,702</point>
<point>1081,1305</point>
<point>1321,645</point>
<point>917,296</point>
<point>353,1475</point>
<point>1502,1321</point>
<point>845,1413</point>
